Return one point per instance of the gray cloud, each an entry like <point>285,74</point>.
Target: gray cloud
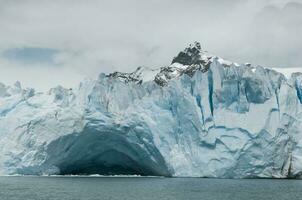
<point>29,56</point>
<point>102,36</point>
<point>274,36</point>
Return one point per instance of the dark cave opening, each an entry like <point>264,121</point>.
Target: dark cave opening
<point>104,153</point>
<point>109,163</point>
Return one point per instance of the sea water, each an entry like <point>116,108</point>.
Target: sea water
<point>143,188</point>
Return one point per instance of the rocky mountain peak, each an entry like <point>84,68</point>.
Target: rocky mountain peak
<point>191,55</point>
<point>188,61</point>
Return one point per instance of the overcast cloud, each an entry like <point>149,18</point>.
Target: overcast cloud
<point>48,42</point>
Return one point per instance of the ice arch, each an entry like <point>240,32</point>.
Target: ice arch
<point>107,152</point>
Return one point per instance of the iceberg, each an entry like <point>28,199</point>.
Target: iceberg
<point>201,116</point>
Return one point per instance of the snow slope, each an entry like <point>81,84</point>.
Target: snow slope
<point>202,116</point>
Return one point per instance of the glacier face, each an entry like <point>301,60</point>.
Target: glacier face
<point>201,116</point>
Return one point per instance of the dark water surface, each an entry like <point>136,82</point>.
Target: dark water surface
<point>103,188</point>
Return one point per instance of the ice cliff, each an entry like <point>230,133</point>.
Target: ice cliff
<point>201,116</point>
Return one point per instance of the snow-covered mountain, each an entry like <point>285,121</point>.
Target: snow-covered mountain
<point>202,116</point>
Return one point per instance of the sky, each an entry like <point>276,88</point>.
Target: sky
<point>45,43</point>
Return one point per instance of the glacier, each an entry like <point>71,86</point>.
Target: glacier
<point>201,116</point>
